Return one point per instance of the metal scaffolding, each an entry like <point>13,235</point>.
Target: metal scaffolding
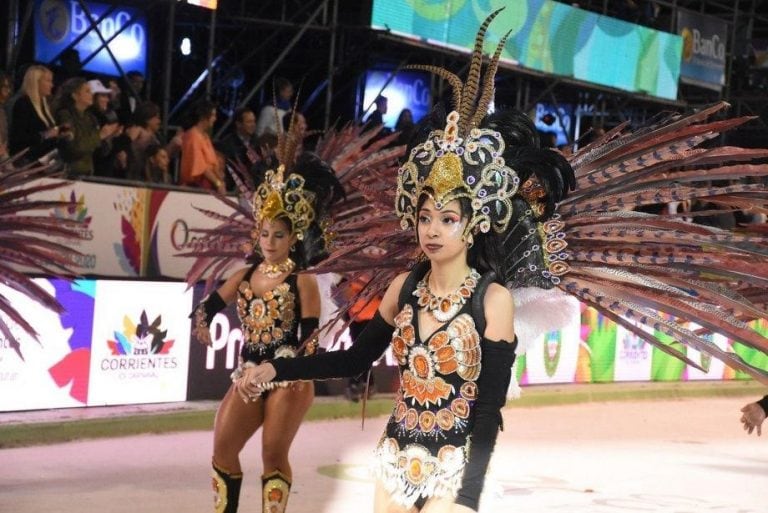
<point>331,42</point>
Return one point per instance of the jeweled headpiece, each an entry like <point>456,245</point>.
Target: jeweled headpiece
<point>281,196</point>
<point>284,197</point>
<point>463,160</point>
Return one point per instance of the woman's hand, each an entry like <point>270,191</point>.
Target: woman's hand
<point>249,385</point>
<point>752,418</point>
<point>263,373</point>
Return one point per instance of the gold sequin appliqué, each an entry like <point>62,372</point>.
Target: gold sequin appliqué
<point>268,318</point>
<point>454,349</point>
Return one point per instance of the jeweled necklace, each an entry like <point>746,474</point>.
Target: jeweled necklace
<point>444,308</point>
<point>275,270</point>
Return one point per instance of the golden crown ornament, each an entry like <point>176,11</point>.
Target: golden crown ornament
<point>463,160</point>
<point>278,197</point>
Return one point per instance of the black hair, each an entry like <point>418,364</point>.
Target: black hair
<point>199,110</point>
<point>144,112</point>
<point>281,83</point>
<point>239,113</point>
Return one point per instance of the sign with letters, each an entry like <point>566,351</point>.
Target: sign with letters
<point>59,23</point>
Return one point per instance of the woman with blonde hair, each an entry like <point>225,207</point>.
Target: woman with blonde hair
<point>32,123</point>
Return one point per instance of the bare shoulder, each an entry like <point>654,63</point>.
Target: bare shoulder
<point>499,310</point>
<point>235,278</point>
<point>498,297</point>
<point>239,274</point>
<point>229,289</point>
<point>388,306</point>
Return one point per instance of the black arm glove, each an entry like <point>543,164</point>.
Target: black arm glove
<point>208,308</point>
<point>495,375</point>
<point>307,326</point>
<point>368,347</point>
<point>764,404</point>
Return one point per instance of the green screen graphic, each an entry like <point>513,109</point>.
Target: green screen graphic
<point>547,36</point>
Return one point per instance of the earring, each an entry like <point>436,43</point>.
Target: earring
<point>293,247</point>
<point>470,240</point>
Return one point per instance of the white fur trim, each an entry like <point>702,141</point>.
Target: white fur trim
<point>539,311</point>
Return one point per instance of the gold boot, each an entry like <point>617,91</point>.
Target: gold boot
<point>226,490</point>
<point>275,489</point>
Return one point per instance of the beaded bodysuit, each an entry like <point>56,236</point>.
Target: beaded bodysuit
<point>270,321</point>
<point>426,443</point>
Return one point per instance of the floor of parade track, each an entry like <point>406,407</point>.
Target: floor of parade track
<point>670,456</point>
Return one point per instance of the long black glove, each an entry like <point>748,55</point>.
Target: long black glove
<point>207,309</point>
<point>308,326</point>
<point>203,314</point>
<point>764,404</point>
<point>495,375</point>
<point>368,347</point>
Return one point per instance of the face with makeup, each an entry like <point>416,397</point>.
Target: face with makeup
<point>275,240</point>
<point>440,231</point>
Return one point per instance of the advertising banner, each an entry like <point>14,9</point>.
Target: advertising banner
<point>171,217</point>
<point>52,371</point>
<point>113,223</point>
<point>210,366</point>
<point>704,43</point>
<point>140,348</point>
<point>554,357</point>
<point>547,36</point>
<point>58,23</point>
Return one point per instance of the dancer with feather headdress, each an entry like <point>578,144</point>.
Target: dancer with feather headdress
<point>281,231</point>
<point>494,213</point>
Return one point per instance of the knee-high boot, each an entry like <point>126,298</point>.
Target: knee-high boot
<point>226,490</point>
<point>275,489</point>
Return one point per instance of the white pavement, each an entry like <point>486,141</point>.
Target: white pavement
<point>683,456</point>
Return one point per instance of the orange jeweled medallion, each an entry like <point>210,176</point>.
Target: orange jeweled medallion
<point>265,319</point>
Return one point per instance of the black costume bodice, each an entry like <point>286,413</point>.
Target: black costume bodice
<point>269,321</point>
<point>426,443</point>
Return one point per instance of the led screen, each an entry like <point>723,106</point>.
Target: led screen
<point>547,36</point>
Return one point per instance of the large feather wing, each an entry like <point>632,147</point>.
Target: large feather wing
<point>26,225</point>
<point>645,269</point>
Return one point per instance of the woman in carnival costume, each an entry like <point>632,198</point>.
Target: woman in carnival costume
<point>449,321</point>
<point>491,215</point>
<point>279,309</point>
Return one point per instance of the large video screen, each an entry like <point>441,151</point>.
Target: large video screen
<point>547,36</point>
<point>59,23</point>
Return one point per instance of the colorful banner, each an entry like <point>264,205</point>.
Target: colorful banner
<point>52,370</point>
<point>129,342</point>
<point>171,218</point>
<point>117,342</point>
<point>704,43</point>
<point>140,348</point>
<point>113,223</point>
<point>131,231</point>
<point>547,36</point>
